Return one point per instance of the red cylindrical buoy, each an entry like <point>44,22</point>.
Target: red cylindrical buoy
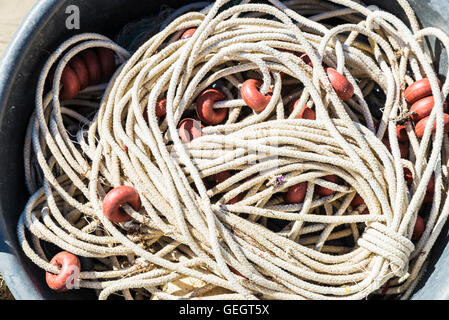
<point>304,57</point>
<point>401,133</point>
<point>80,68</point>
<point>404,150</point>
<point>93,64</point>
<point>418,90</point>
<point>188,33</point>
<point>421,125</point>
<point>251,95</point>
<point>428,198</point>
<point>161,109</point>
<point>385,288</point>
<point>430,190</point>
<point>205,107</point>
<point>366,211</point>
<point>236,199</point>
<point>431,184</point>
<point>423,107</point>
<point>189,129</point>
<point>116,198</point>
<point>322,191</point>
<point>357,201</point>
<point>419,228</point>
<point>69,266</point>
<point>306,112</point>
<point>408,176</point>
<point>341,85</point>
<point>107,61</point>
<point>70,84</point>
<point>222,176</point>
<point>296,193</point>
<point>236,272</point>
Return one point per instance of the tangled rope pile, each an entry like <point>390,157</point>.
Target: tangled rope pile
<point>197,159</point>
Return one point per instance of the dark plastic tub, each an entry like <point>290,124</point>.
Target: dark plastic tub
<point>40,33</point>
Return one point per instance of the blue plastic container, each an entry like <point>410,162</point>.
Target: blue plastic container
<point>40,33</point>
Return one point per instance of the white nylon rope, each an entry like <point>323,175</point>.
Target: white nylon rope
<point>258,246</point>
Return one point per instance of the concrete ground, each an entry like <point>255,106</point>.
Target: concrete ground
<point>12,13</point>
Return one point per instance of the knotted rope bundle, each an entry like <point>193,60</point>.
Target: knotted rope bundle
<point>211,198</point>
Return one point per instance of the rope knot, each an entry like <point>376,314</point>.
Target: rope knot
<point>389,244</point>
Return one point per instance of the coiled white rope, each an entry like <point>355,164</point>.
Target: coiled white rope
<point>258,246</point>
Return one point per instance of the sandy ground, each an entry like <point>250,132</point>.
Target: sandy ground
<point>12,12</point>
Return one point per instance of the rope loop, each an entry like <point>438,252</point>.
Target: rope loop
<point>391,245</point>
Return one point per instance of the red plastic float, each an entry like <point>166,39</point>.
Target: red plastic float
<point>431,185</point>
<point>222,176</point>
<point>418,90</point>
<point>341,85</point>
<point>385,288</point>
<point>357,201</point>
<point>70,84</point>
<point>304,57</point>
<point>236,272</point>
<point>69,266</point>
<point>116,198</point>
<point>93,64</point>
<point>401,133</point>
<point>322,191</point>
<point>86,68</point>
<point>365,211</point>
<point>236,199</point>
<point>80,68</point>
<point>408,176</point>
<point>404,150</point>
<point>161,109</point>
<point>107,61</point>
<point>419,228</point>
<point>251,95</point>
<point>188,33</point>
<point>296,193</point>
<point>205,107</point>
<point>423,107</point>
<point>421,125</point>
<point>189,129</point>
<point>430,190</point>
<point>428,198</point>
<point>306,112</point>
